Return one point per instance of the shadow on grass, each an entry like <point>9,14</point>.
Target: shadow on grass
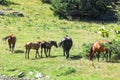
<point>114,61</point>
<point>76,57</point>
<point>19,51</point>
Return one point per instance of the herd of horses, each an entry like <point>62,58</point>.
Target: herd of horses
<point>66,43</point>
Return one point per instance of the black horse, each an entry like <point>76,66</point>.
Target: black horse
<point>47,47</point>
<point>66,44</point>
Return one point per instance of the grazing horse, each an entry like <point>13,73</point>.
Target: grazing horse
<point>11,41</point>
<point>97,47</point>
<point>47,47</point>
<point>32,45</point>
<point>66,44</point>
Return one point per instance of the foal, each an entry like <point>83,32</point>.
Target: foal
<point>11,41</point>
<point>32,45</point>
<point>98,48</point>
<point>47,47</point>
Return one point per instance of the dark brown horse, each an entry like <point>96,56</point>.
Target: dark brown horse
<point>66,44</point>
<point>97,47</point>
<point>47,47</point>
<point>32,45</point>
<point>11,41</point>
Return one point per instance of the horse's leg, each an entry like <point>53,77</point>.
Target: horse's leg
<point>41,52</point>
<point>36,53</point>
<point>98,55</point>
<point>49,51</point>
<point>64,52</point>
<point>13,46</point>
<point>45,52</point>
<point>9,46</point>
<point>28,53</point>
<point>106,56</point>
<point>110,55</point>
<point>67,54</point>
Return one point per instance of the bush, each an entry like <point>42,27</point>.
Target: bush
<point>115,49</point>
<point>85,9</point>
<point>66,70</point>
<point>86,50</point>
<point>3,2</point>
<point>46,1</point>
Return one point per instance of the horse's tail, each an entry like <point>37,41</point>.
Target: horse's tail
<point>5,38</point>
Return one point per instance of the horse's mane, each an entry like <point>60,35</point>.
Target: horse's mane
<point>5,38</point>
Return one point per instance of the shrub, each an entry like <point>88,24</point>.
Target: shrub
<point>46,1</point>
<point>3,2</point>
<point>85,9</point>
<point>66,70</point>
<point>115,49</point>
<point>86,50</point>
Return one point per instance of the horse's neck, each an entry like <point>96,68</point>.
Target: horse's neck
<point>60,44</point>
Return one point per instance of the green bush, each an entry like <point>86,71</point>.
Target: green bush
<point>46,1</point>
<point>86,50</point>
<point>3,2</point>
<point>115,49</point>
<point>66,70</point>
<point>85,9</point>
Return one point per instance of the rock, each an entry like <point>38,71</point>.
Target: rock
<point>17,14</point>
<point>21,74</point>
<point>8,9</point>
<point>1,13</point>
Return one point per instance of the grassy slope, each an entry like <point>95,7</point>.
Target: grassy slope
<point>39,21</point>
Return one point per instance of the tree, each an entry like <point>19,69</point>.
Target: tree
<point>3,2</point>
<point>87,9</point>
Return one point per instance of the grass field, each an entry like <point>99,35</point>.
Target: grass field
<point>39,23</point>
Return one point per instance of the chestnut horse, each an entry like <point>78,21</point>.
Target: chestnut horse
<point>97,47</point>
<point>32,45</point>
<point>11,41</point>
<point>66,44</point>
<point>47,47</point>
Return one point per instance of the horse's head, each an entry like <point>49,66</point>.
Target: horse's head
<point>54,43</point>
<point>39,42</point>
<point>90,54</point>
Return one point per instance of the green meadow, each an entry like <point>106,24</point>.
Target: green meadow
<point>38,24</point>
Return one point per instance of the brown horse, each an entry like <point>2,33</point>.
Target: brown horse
<point>47,47</point>
<point>97,47</point>
<point>32,45</point>
<point>11,41</point>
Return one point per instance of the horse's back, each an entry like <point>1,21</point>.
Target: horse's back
<point>97,47</point>
<point>32,45</point>
<point>67,43</point>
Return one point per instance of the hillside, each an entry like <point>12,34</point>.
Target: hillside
<point>39,23</point>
